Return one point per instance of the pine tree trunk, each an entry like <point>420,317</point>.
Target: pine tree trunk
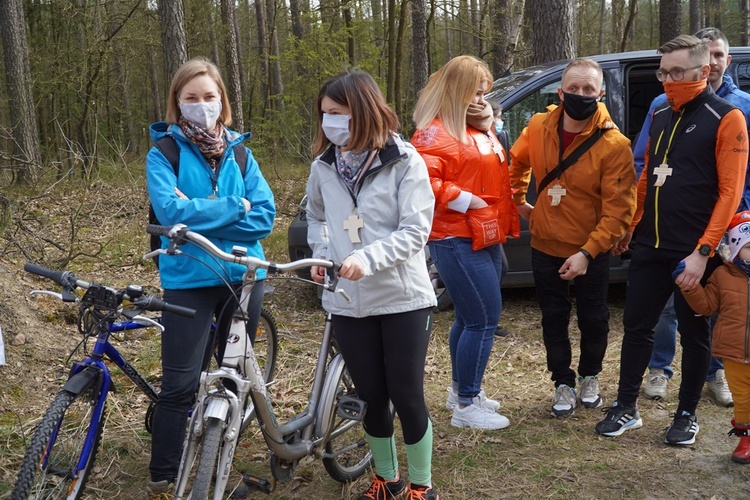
<point>420,64</point>
<point>553,30</point>
<point>670,17</point>
<point>172,18</point>
<point>26,154</point>
<point>232,76</point>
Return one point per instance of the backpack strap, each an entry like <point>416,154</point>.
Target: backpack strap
<point>168,147</point>
<point>240,156</point>
<point>570,160</point>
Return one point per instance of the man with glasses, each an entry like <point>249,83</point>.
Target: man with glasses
<point>687,194</point>
<point>665,332</point>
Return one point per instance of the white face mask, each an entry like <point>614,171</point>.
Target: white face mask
<point>202,114</point>
<point>336,128</point>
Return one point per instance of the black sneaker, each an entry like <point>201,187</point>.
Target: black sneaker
<point>501,332</point>
<point>380,489</point>
<point>683,430</point>
<point>619,419</point>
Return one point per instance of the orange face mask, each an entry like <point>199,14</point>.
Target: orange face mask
<point>681,93</point>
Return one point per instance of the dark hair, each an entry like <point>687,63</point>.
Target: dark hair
<point>373,122</point>
<point>712,34</point>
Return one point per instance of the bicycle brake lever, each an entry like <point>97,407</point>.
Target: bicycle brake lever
<point>148,322</point>
<point>343,294</point>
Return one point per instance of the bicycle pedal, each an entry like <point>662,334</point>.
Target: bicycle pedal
<point>256,483</point>
<point>351,408</point>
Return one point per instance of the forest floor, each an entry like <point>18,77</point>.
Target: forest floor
<point>538,456</point>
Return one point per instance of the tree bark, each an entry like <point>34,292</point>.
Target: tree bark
<point>670,16</point>
<point>232,76</point>
<point>503,41</point>
<point>26,153</point>
<point>628,32</point>
<point>399,56</point>
<point>260,17</point>
<point>744,22</point>
<point>350,46</point>
<point>172,18</point>
<point>695,15</point>
<point>277,83</point>
<point>420,64</point>
<point>553,30</point>
<point>212,38</point>
<point>392,34</point>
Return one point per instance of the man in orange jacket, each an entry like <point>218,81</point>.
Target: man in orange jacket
<point>586,184</point>
<point>687,194</point>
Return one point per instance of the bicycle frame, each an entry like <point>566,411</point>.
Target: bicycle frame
<point>93,374</point>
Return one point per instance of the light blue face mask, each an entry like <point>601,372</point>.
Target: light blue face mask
<point>498,126</point>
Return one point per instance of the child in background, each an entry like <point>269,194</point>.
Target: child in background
<point>727,293</point>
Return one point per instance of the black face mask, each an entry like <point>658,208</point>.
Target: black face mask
<point>579,107</point>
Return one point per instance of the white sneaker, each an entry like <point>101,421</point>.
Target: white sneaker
<point>656,384</point>
<point>588,391</point>
<point>478,417</point>
<point>564,401</point>
<point>480,399</point>
<point>719,390</point>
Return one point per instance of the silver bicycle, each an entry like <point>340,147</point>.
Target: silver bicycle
<point>228,398</point>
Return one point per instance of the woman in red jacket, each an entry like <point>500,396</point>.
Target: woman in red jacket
<point>473,214</point>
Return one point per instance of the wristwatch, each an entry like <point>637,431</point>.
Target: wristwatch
<point>704,250</point>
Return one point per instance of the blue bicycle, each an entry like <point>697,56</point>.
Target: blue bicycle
<point>63,448</point>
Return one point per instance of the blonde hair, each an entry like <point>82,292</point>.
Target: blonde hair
<point>448,93</point>
<point>584,62</point>
<point>196,67</point>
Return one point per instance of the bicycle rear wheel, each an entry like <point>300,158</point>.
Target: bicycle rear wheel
<point>352,456</point>
<point>266,344</point>
<point>49,469</point>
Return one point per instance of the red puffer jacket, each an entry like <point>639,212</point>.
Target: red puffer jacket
<point>475,167</point>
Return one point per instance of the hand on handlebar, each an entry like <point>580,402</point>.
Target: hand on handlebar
<point>318,274</point>
<point>351,269</point>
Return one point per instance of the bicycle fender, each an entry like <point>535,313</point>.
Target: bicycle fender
<point>217,408</point>
<point>82,380</point>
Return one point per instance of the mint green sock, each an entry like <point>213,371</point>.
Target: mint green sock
<point>384,454</point>
<point>419,456</point>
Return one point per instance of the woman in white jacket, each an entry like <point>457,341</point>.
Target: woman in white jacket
<point>370,207</point>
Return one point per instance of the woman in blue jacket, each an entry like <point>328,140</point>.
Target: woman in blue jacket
<point>230,204</point>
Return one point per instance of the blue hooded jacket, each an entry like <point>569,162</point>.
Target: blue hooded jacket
<point>222,219</point>
<point>727,91</point>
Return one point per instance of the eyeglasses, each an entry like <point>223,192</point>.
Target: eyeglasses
<point>677,74</point>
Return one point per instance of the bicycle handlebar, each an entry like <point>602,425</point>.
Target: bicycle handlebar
<point>179,233</point>
<point>70,282</point>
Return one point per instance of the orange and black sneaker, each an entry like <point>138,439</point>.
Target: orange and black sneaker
<point>380,489</point>
<point>419,492</point>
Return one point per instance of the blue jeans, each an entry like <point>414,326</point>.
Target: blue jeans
<point>553,295</point>
<point>665,340</point>
<point>473,282</point>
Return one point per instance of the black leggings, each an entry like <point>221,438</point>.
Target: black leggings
<point>186,347</point>
<point>385,356</point>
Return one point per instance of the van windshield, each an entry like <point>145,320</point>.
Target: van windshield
<point>504,85</point>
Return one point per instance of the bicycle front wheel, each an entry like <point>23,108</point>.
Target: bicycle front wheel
<point>351,456</point>
<point>50,468</point>
<point>210,445</point>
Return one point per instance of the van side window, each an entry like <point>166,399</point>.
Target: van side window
<point>642,88</point>
<point>743,76</point>
<point>517,117</point>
